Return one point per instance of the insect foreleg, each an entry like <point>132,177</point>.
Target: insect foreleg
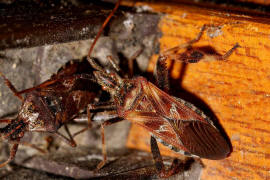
<point>102,128</point>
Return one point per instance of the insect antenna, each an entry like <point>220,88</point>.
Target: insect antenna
<point>103,26</point>
<point>11,87</point>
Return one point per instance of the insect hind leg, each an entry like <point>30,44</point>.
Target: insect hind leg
<point>176,166</point>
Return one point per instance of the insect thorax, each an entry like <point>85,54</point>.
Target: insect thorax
<point>127,95</point>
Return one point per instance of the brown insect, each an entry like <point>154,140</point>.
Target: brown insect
<point>50,105</point>
<point>172,121</point>
<point>54,103</point>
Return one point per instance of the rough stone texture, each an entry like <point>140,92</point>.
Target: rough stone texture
<point>122,164</point>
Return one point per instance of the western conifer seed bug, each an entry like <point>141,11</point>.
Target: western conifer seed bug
<point>50,105</point>
<point>174,122</point>
<point>54,103</point>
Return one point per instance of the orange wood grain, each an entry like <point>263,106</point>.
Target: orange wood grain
<point>237,90</point>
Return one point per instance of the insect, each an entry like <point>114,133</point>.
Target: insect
<point>50,105</point>
<point>172,121</point>
<point>54,103</point>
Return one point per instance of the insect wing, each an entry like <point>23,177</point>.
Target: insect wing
<point>190,130</point>
<point>157,126</point>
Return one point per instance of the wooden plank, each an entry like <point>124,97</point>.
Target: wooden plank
<point>264,2</point>
<point>237,91</point>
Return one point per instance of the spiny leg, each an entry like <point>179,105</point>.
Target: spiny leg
<point>12,154</point>
<point>11,87</point>
<point>159,162</point>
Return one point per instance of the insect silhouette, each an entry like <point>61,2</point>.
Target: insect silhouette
<point>54,103</point>
<point>174,122</point>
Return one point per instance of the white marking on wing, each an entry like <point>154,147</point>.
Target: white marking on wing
<point>162,128</point>
<point>173,111</point>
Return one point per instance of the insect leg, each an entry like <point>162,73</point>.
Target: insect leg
<point>70,141</point>
<point>11,87</point>
<point>161,71</point>
<point>104,106</point>
<point>96,106</point>
<point>228,53</point>
<point>33,146</point>
<point>175,167</point>
<point>89,123</point>
<point>95,65</point>
<point>113,63</point>
<point>12,154</point>
<point>104,152</point>
<point>5,120</point>
<point>156,155</point>
<point>185,45</point>
<point>131,62</point>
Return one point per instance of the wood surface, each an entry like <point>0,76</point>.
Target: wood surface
<point>264,2</point>
<point>236,91</point>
